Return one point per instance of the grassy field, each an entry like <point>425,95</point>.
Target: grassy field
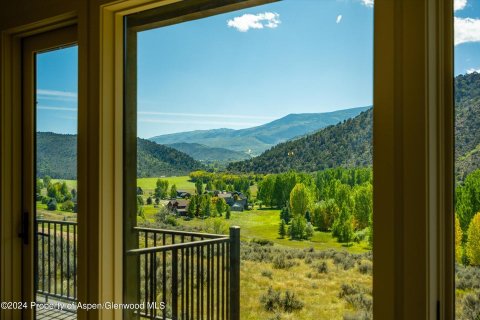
<point>182,183</point>
<point>264,224</point>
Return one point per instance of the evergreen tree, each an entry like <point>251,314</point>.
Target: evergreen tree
<point>199,187</point>
<point>282,230</point>
<point>227,213</point>
<point>46,181</point>
<point>308,217</point>
<point>173,192</point>
<point>149,200</point>
<point>209,186</point>
<point>192,207</point>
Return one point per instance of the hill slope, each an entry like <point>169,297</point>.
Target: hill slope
<point>259,139</point>
<point>345,144</point>
<point>207,154</point>
<point>349,143</point>
<point>57,157</point>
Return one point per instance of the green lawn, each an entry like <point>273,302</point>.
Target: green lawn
<point>71,184</point>
<point>263,224</point>
<point>182,183</point>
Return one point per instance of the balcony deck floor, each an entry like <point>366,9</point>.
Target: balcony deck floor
<point>55,315</point>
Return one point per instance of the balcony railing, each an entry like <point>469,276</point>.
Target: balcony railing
<point>180,275</point>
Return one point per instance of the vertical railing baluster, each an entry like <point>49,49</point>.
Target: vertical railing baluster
<point>49,260</point>
<point>68,260</point>
<point>164,278</point>
<point>55,257</point>
<point>208,282</point>
<point>234,273</point>
<point>75,261</point>
<point>218,281</point>
<point>174,284</point>
<point>62,292</point>
<point>183,279</point>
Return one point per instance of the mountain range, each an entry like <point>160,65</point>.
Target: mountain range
<point>253,141</point>
<point>347,143</point>
<point>57,158</point>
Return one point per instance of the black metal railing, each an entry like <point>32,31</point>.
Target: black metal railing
<point>181,275</point>
<point>186,275</point>
<point>56,256</point>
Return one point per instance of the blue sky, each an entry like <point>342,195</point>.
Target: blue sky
<point>248,67</point>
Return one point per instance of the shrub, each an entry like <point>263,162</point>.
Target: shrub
<point>262,242</point>
<point>471,306</point>
<point>267,274</point>
<point>321,267</point>
<point>291,303</point>
<point>365,267</point>
<point>271,300</point>
<point>67,206</point>
<point>280,261</point>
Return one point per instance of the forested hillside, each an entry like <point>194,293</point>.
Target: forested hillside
<point>57,158</point>
<point>348,144</point>
<point>467,124</point>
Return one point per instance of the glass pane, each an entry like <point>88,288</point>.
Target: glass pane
<point>259,118</point>
<point>56,181</point>
<point>467,159</point>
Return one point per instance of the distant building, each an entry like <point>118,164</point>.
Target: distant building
<point>178,206</point>
<point>183,194</point>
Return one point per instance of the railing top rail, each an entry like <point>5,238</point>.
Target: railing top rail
<point>61,222</point>
<point>178,232</point>
<point>171,247</point>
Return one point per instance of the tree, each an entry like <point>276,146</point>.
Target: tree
<point>458,240</point>
<point>161,189</point>
<point>74,193</point>
<point>473,242</point>
<point>468,199</point>
<point>149,200</point>
<point>209,186</point>
<point>308,217</point>
<point>342,228</point>
<point>39,185</point>
<point>157,201</point>
<point>282,229</point>
<point>227,213</point>
<point>324,214</point>
<point>52,204</point>
<point>298,228</point>
<point>363,205</point>
<point>220,205</point>
<point>206,208</point>
<point>285,214</point>
<point>64,189</point>
<point>300,200</point>
<point>199,187</point>
<point>265,190</point>
<point>46,180</point>
<point>139,191</point>
<point>192,207</point>
<point>173,192</point>
<point>67,206</point>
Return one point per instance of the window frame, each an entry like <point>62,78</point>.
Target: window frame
<point>413,141</point>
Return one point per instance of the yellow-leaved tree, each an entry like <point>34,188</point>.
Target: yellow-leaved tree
<point>473,242</point>
<point>458,240</point>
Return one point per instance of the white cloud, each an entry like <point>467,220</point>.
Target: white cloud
<point>472,70</point>
<point>339,18</point>
<point>459,4</point>
<point>467,30</point>
<point>57,108</point>
<point>56,93</point>
<point>255,21</point>
<point>368,3</point>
